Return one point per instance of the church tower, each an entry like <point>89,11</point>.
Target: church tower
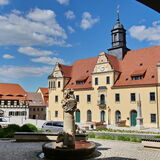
<point>119,48</point>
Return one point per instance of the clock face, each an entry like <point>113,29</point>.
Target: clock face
<point>102,68</point>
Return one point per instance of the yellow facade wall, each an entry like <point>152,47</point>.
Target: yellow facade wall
<point>125,106</point>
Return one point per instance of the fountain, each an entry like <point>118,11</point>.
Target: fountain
<point>65,146</point>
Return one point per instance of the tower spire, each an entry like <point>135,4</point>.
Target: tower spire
<point>118,33</point>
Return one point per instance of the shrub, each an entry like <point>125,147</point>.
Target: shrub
<point>156,136</point>
<point>29,128</point>
<point>13,127</point>
<point>91,135</point>
<point>1,133</point>
<point>9,131</point>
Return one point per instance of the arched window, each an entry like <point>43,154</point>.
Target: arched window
<point>89,116</point>
<point>102,116</point>
<point>102,99</point>
<point>117,116</point>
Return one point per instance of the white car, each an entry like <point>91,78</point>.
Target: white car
<point>3,122</point>
<point>57,126</point>
<point>54,126</point>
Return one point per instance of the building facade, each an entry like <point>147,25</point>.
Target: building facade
<point>13,101</point>
<point>37,107</point>
<point>110,87</point>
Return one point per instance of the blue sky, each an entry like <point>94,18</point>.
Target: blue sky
<point>35,34</point>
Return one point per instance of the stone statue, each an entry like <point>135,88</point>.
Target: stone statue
<point>69,103</point>
<point>66,139</point>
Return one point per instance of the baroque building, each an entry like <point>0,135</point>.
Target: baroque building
<point>108,87</point>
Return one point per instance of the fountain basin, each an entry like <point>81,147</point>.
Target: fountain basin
<point>83,150</point>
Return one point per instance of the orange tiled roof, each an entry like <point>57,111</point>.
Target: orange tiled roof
<point>140,60</point>
<point>45,93</point>
<point>114,62</point>
<point>135,63</point>
<point>66,70</point>
<point>12,91</point>
<point>82,69</point>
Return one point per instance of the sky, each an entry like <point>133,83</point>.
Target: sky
<point>35,34</point>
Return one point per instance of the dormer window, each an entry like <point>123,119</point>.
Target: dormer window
<point>138,74</point>
<point>80,82</point>
<point>137,77</point>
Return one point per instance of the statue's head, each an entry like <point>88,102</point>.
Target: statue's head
<point>68,93</point>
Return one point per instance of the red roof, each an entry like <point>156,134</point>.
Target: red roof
<point>140,60</point>
<point>45,93</point>
<point>114,62</point>
<point>12,91</point>
<point>81,70</point>
<point>66,70</point>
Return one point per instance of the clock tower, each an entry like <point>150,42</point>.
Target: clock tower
<point>119,48</point>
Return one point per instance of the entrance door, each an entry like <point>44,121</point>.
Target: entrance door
<point>78,115</point>
<point>133,116</point>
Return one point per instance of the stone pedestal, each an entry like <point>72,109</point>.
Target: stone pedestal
<point>139,123</point>
<point>69,129</point>
<point>139,115</point>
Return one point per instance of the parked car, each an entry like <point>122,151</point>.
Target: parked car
<point>57,126</point>
<point>54,126</point>
<point>3,122</point>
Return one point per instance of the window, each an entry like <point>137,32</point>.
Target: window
<point>133,97</point>
<point>137,77</point>
<point>77,98</point>
<point>102,99</point>
<point>56,114</point>
<point>96,81</point>
<point>41,109</point>
<point>80,82</point>
<point>56,98</point>
<point>37,109</point>
<point>54,84</point>
<point>89,116</point>
<point>107,80</point>
<point>49,85</point>
<point>117,97</point>
<point>153,118</point>
<point>88,98</point>
<point>152,96</point>
<point>34,109</point>
<point>59,84</point>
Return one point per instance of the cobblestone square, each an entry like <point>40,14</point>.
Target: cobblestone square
<point>106,150</point>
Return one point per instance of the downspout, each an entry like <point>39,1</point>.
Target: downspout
<point>157,106</point>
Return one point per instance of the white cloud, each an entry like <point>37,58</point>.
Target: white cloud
<point>65,2</point>
<point>70,14</point>
<point>41,15</point>
<point>70,29</point>
<point>144,33</point>
<point>34,52</point>
<point>87,21</point>
<point>8,56</point>
<point>48,60</point>
<point>38,27</point>
<point>4,2</point>
<point>9,72</point>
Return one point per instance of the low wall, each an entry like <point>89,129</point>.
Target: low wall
<point>42,136</point>
<point>151,143</point>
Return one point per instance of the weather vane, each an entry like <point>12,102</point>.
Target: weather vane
<point>118,6</point>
